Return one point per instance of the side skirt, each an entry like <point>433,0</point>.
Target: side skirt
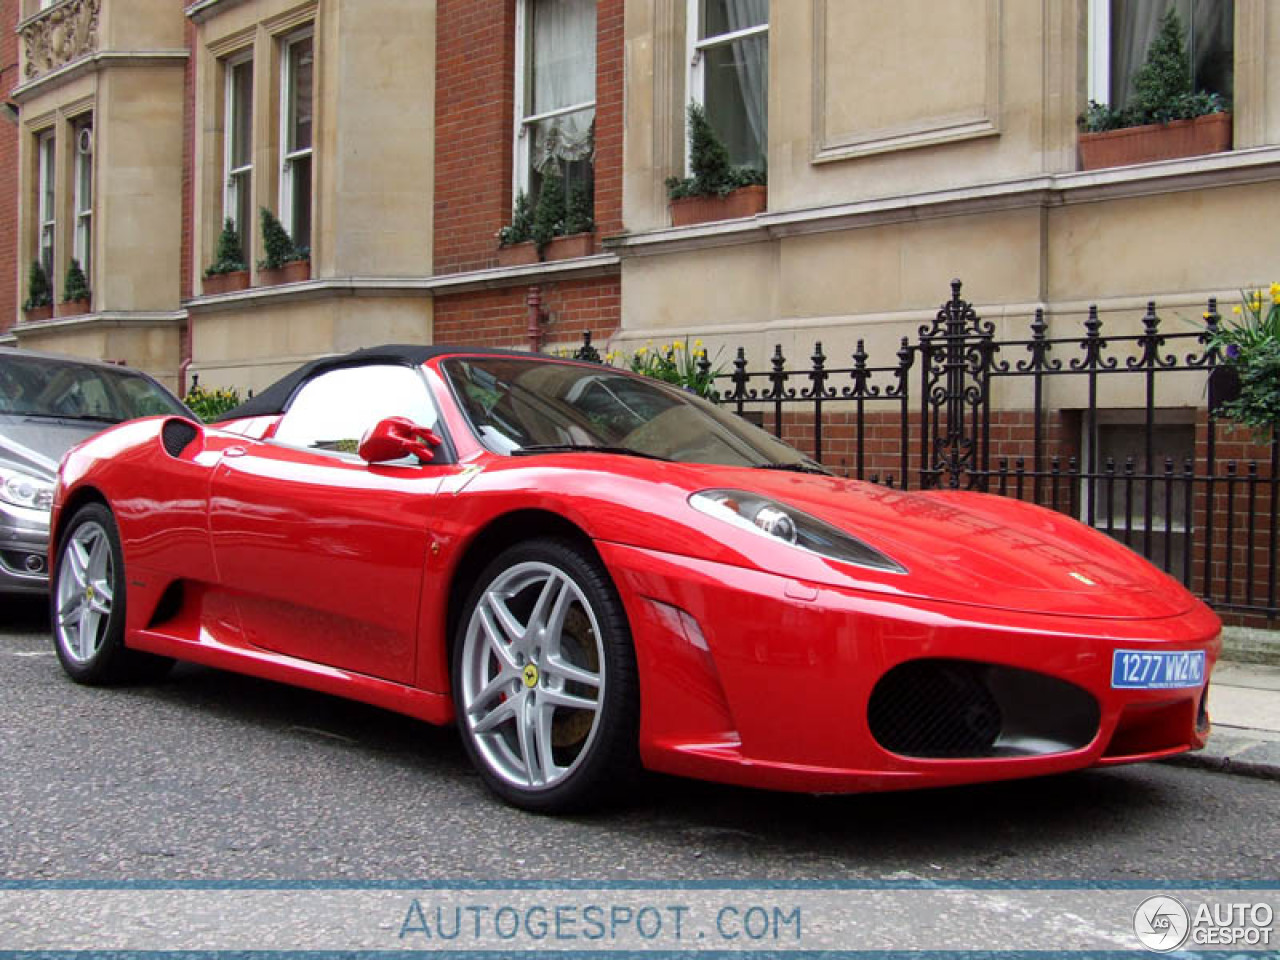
<point>434,708</point>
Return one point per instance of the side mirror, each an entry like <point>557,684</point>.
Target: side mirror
<point>397,437</point>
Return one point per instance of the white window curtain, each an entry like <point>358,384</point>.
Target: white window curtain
<point>752,66</point>
<point>563,74</point>
<point>729,73</point>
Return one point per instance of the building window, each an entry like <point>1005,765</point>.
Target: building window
<point>1123,480</point>
<point>83,194</point>
<point>237,198</point>
<point>46,200</point>
<point>1120,31</point>
<point>555,94</point>
<point>296,108</point>
<point>729,73</point>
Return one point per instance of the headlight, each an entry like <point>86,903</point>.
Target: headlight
<point>22,490</point>
<point>778,521</point>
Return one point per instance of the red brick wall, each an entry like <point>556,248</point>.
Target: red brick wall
<point>610,53</point>
<point>498,318</point>
<point>10,285</point>
<point>475,91</point>
<point>475,58</point>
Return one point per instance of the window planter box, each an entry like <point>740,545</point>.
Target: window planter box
<point>295,271</point>
<point>72,308</point>
<point>571,247</point>
<point>225,282</point>
<point>518,255</point>
<point>743,202</point>
<point>1156,141</point>
<point>36,314</point>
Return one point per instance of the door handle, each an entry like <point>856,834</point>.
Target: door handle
<point>234,452</point>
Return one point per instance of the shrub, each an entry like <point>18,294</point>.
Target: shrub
<point>230,255</point>
<point>1163,89</point>
<point>75,286</point>
<point>39,293</point>
<point>712,173</point>
<point>277,248</point>
<point>520,230</point>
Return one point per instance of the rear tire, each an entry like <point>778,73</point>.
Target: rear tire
<point>545,682</point>
<point>87,605</point>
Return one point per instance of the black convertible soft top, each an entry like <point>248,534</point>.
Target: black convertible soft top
<point>275,399</point>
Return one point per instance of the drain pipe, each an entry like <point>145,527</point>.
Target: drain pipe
<point>185,365</point>
<point>537,317</point>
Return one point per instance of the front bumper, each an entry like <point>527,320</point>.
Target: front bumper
<point>24,548</point>
<point>757,679</point>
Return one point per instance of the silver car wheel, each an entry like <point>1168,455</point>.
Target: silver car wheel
<point>532,678</point>
<point>85,592</point>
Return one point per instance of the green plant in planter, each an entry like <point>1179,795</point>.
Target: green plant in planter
<point>39,293</point>
<point>1249,341</point>
<point>210,404</point>
<point>230,255</point>
<point>277,248</point>
<point>75,286</point>
<point>520,230</point>
<point>676,363</point>
<point>580,216</point>
<point>549,215</point>
<point>1163,90</point>
<point>713,175</point>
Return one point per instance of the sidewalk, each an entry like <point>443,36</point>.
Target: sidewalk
<point>1244,706</point>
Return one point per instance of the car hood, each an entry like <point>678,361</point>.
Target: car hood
<point>35,445</point>
<point>970,548</point>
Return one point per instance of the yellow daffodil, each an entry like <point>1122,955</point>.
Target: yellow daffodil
<point>1236,309</point>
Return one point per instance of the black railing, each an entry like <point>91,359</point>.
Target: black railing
<point>1204,508</point>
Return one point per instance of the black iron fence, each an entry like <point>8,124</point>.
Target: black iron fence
<point>1093,425</point>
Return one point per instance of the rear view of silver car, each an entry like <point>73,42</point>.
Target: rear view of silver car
<point>48,404</point>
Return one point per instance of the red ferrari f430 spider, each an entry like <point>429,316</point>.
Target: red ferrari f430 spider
<point>593,573</point>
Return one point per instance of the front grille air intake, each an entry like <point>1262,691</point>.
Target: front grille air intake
<point>953,709</point>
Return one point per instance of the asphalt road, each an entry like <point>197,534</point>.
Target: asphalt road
<point>217,777</point>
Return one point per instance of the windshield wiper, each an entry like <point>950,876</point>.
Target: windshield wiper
<point>69,416</point>
<point>535,448</point>
<point>798,467</point>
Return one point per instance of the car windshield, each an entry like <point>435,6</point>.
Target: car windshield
<point>44,387</point>
<point>521,406</point>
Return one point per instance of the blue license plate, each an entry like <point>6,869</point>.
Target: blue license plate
<point>1157,669</point>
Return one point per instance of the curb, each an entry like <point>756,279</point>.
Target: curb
<point>1241,754</point>
<point>1251,645</point>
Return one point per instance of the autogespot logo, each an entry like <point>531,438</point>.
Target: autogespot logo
<point>1161,923</point>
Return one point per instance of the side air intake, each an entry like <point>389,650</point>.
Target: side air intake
<point>176,435</point>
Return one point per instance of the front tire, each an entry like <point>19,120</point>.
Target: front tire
<point>87,605</point>
<point>544,679</point>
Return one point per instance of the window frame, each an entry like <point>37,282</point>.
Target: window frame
<point>231,175</point>
<point>696,47</point>
<point>82,212</point>
<point>1167,525</point>
<point>47,200</point>
<point>523,121</point>
<point>288,156</point>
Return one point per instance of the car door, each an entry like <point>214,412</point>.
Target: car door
<point>323,552</point>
